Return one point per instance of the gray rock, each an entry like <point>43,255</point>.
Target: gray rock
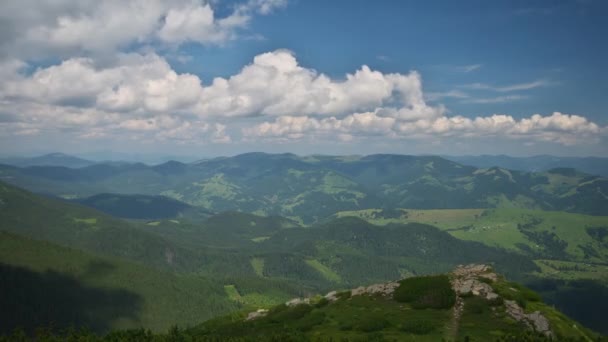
<point>332,296</point>
<point>256,314</point>
<point>298,301</point>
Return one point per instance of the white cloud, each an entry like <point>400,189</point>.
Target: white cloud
<point>136,82</point>
<point>557,128</point>
<point>456,94</point>
<point>274,84</point>
<point>142,97</point>
<point>497,99</point>
<point>467,68</point>
<point>510,88</point>
<point>39,29</point>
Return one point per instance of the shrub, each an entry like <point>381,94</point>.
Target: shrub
<point>343,295</point>
<point>321,302</point>
<point>307,322</point>
<point>372,323</point>
<point>289,313</point>
<point>346,326</point>
<point>476,305</point>
<point>418,327</point>
<point>426,292</point>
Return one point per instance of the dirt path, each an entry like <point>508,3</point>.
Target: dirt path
<point>454,323</point>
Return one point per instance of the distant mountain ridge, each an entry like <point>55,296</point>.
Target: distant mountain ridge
<point>311,188</point>
<point>51,159</point>
<point>591,165</point>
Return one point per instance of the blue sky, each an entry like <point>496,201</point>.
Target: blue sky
<point>445,77</point>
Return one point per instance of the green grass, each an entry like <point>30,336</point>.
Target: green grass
<point>571,270</point>
<point>327,272</point>
<point>433,292</point>
<point>260,238</point>
<point>258,266</point>
<point>90,221</point>
<point>233,293</point>
<point>369,317</point>
<point>499,227</point>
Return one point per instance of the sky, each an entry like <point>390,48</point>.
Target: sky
<point>204,78</point>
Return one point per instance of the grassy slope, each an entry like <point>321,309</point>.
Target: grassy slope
<point>160,298</point>
<point>79,227</point>
<point>499,228</point>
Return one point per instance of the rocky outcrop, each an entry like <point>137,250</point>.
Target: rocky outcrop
<point>331,296</point>
<point>467,280</point>
<point>534,320</point>
<point>298,301</point>
<point>256,314</point>
<point>385,289</point>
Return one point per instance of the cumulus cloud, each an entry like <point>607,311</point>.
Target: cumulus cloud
<point>34,29</point>
<point>275,84</point>
<point>557,128</point>
<point>142,96</point>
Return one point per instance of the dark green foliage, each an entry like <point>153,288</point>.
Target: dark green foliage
<point>283,313</point>
<point>138,206</point>
<point>599,234</point>
<point>343,295</point>
<point>371,322</point>
<point>426,292</point>
<point>417,327</point>
<point>553,246</point>
<point>322,302</point>
<point>31,299</point>
<point>517,292</point>
<point>477,305</point>
<point>76,226</point>
<point>583,300</point>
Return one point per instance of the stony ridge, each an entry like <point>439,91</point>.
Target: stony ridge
<point>466,280</point>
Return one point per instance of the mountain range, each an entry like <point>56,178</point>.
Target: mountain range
<point>229,236</point>
<point>310,189</point>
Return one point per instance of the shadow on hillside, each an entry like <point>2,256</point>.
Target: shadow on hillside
<point>584,300</point>
<point>30,300</point>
